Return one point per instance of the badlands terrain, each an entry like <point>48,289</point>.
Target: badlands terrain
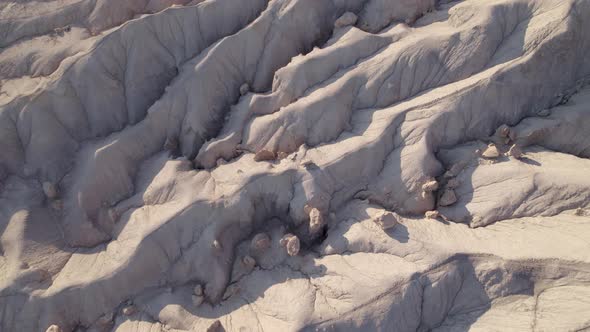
<point>294,165</point>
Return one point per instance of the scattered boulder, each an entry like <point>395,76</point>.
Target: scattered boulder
<point>503,131</point>
<point>293,246</point>
<point>455,169</point>
<point>291,242</point>
<point>171,144</point>
<point>198,290</point>
<point>230,291</point>
<point>491,152</point>
<point>447,198</point>
<point>264,155</point>
<point>113,214</point>
<point>197,300</point>
<point>129,310</point>
<point>453,183</point>
<point>316,220</point>
<point>503,134</point>
<point>198,297</point>
<point>244,89</point>
<point>105,320</point>
<point>50,190</point>
<point>248,263</point>
<point>386,219</point>
<point>515,152</point>
<point>260,241</point>
<point>282,155</point>
<point>346,19</point>
<point>434,214</point>
<point>430,186</point>
<point>54,328</point>
<point>57,205</point>
<point>216,245</point>
<point>285,238</point>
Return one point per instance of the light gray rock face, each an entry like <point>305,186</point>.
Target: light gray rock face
<point>294,165</point>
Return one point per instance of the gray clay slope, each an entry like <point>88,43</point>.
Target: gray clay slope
<point>294,165</point>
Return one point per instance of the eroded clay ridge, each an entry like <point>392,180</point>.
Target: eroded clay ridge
<point>294,165</point>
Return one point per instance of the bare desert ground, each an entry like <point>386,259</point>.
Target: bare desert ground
<point>294,165</point>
